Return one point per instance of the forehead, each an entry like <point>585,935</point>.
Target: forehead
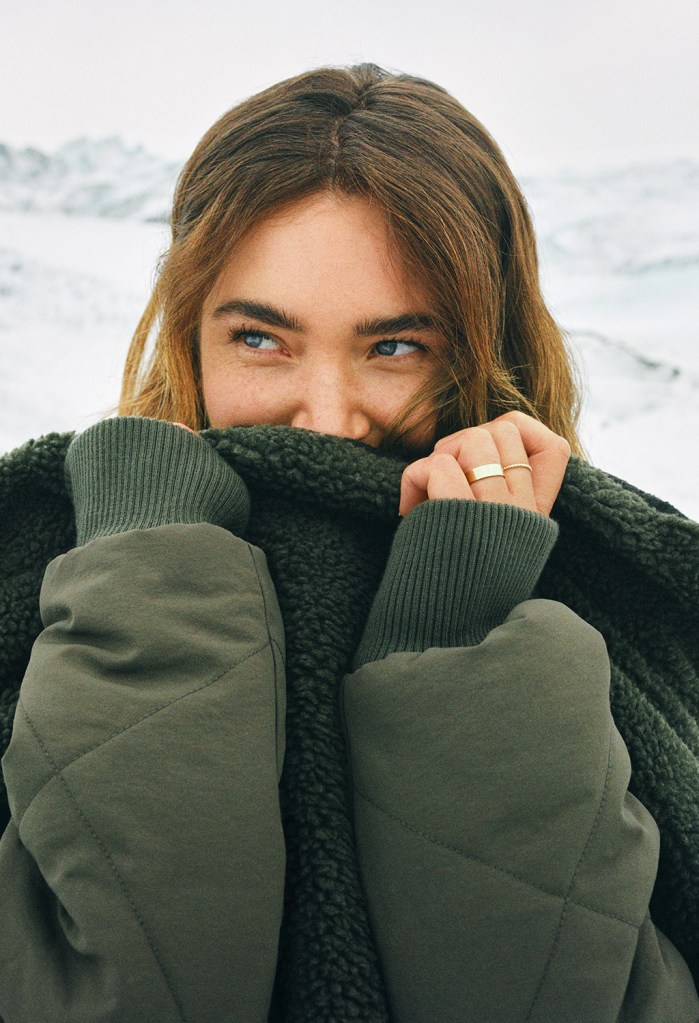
<point>323,243</point>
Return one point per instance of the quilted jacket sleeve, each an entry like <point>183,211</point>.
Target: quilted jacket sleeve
<point>143,866</point>
<point>507,868</point>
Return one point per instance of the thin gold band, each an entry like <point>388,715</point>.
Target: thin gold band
<point>484,472</point>
<point>517,465</point>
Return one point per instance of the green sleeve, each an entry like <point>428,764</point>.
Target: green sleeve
<point>132,473</point>
<point>455,570</point>
<point>143,866</point>
<point>507,869</point>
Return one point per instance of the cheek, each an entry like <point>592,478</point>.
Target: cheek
<point>216,405</point>
<point>239,396</point>
<point>226,404</point>
<point>213,391</point>
<point>419,434</point>
<point>233,397</point>
<point>422,438</point>
<point>218,390</point>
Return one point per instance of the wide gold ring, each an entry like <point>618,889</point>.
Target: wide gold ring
<point>484,472</point>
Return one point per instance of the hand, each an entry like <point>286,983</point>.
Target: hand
<point>511,438</point>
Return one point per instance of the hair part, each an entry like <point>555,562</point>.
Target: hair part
<point>455,216</point>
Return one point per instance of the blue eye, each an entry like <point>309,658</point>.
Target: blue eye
<point>389,347</point>
<point>253,339</point>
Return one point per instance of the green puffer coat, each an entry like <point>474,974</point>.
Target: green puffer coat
<point>280,755</point>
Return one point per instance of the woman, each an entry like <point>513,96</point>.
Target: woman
<point>278,755</point>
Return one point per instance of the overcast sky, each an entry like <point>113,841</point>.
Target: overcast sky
<point>590,83</point>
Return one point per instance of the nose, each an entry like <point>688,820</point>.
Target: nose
<point>329,404</point>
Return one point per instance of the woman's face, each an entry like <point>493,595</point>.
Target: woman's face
<point>313,324</point>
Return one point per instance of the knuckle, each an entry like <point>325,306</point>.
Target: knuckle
<point>563,448</point>
<point>413,470</point>
<point>479,433</point>
<point>449,438</point>
<point>506,429</point>
<point>513,416</point>
<point>442,459</point>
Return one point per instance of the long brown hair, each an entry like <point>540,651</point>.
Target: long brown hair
<point>454,213</point>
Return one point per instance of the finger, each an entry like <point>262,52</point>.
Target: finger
<point>537,438</point>
<point>436,477</point>
<point>413,486</point>
<point>475,448</point>
<point>514,460</point>
<point>510,450</point>
<point>547,453</point>
<point>446,441</point>
<point>447,480</point>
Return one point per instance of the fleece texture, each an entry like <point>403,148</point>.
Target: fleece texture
<point>324,510</point>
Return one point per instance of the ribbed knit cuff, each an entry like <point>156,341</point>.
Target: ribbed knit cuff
<point>455,571</point>
<point>133,473</point>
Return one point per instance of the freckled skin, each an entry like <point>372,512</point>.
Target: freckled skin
<point>326,264</point>
<point>326,261</point>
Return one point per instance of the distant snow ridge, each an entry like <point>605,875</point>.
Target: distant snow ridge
<point>33,293</point>
<point>101,178</point>
<point>626,221</point>
<point>630,220</point>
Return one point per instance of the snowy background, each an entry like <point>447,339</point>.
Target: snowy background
<point>81,230</point>
<point>607,89</point>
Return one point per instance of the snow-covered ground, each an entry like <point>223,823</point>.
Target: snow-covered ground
<point>620,270</point>
<point>81,231</point>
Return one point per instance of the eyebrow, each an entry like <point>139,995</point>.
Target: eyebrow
<point>273,317</point>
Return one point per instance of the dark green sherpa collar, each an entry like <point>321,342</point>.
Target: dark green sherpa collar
<point>324,510</point>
